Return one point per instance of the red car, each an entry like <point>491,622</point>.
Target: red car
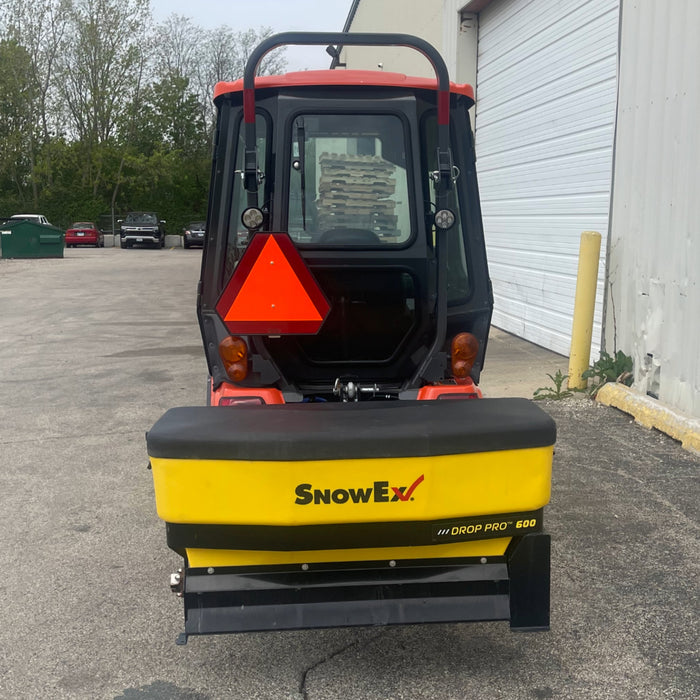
<point>84,233</point>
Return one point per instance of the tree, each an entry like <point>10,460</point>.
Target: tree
<point>101,110</point>
<point>179,61</point>
<point>40,26</point>
<point>176,113</point>
<point>102,67</point>
<point>101,73</point>
<point>18,92</point>
<point>224,58</point>
<point>177,39</point>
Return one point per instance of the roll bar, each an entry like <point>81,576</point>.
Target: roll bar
<point>444,157</point>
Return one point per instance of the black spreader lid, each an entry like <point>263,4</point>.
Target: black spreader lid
<point>316,431</point>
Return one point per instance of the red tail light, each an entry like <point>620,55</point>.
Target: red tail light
<point>453,397</point>
<point>241,401</point>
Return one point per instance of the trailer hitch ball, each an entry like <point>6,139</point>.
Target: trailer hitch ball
<point>177,583</point>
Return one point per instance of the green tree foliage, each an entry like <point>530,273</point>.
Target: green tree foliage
<point>175,114</point>
<point>102,65</point>
<point>105,111</point>
<point>39,27</point>
<point>17,94</point>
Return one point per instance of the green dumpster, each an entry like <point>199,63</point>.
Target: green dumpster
<point>26,239</point>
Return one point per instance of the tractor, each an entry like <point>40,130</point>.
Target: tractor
<point>346,469</point>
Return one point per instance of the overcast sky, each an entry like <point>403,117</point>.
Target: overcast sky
<point>281,15</point>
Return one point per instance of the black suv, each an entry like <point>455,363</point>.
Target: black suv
<point>194,234</point>
<point>141,227</point>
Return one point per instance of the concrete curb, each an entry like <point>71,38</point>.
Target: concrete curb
<point>652,414</point>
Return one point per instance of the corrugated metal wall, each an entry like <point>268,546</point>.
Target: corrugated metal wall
<point>653,305</point>
<point>545,114</point>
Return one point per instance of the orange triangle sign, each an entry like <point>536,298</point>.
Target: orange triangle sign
<point>272,291</point>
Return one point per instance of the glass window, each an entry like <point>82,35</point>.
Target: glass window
<point>140,218</point>
<point>457,271</point>
<point>371,314</point>
<point>348,181</point>
<point>237,233</point>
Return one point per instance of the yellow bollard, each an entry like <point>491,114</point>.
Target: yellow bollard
<point>584,305</point>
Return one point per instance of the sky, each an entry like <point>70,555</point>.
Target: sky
<point>281,15</point>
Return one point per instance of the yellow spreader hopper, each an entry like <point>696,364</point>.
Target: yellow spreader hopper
<point>318,515</point>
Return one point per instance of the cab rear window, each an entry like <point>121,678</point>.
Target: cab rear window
<point>348,181</point>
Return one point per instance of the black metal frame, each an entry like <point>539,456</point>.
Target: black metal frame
<point>444,157</point>
<point>513,587</point>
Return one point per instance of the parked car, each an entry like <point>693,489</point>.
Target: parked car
<point>141,227</point>
<point>194,234</point>
<point>84,233</point>
<point>36,218</point>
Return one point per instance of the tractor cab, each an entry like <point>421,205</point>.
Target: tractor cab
<point>344,296</point>
<point>347,168</point>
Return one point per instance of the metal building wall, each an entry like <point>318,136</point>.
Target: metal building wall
<point>653,300</point>
<point>420,17</point>
<point>460,36</point>
<point>545,115</point>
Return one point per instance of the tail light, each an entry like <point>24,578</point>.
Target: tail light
<point>241,401</point>
<point>453,397</point>
<point>234,354</point>
<point>465,348</point>
<point>466,389</point>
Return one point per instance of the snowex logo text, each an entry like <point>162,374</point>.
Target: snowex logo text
<point>378,492</point>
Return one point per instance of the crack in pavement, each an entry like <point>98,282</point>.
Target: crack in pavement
<point>357,643</point>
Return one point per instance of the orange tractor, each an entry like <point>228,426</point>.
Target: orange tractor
<point>347,470</point>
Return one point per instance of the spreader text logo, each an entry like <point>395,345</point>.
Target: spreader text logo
<point>378,492</point>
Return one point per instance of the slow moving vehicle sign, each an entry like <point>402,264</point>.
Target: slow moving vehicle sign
<point>272,291</point>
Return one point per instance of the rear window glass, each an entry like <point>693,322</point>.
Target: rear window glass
<point>237,240</point>
<point>371,315</point>
<point>141,219</point>
<point>348,181</point>
<point>457,268</point>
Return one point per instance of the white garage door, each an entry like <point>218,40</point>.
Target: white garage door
<point>545,117</point>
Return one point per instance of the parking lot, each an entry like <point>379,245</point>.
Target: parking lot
<point>94,347</point>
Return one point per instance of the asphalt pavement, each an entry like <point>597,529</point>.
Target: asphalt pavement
<point>94,347</point>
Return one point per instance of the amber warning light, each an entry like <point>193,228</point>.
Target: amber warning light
<point>272,291</point>
<point>465,348</point>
